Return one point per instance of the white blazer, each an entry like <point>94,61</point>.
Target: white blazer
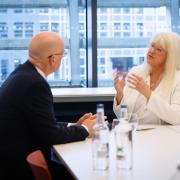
<point>167,109</point>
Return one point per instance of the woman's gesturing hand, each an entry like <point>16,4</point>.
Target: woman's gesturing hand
<point>119,85</point>
<point>138,83</point>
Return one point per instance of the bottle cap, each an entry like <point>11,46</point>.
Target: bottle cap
<point>100,106</point>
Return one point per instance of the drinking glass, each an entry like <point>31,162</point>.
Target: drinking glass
<point>123,144</point>
<point>133,119</point>
<point>115,123</point>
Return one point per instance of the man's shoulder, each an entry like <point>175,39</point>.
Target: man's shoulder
<point>27,72</point>
<point>22,77</point>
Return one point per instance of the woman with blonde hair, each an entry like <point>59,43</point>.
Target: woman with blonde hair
<point>152,90</point>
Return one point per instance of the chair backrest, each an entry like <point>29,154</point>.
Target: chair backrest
<point>39,165</point>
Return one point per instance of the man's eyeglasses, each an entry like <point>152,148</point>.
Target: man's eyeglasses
<point>59,54</point>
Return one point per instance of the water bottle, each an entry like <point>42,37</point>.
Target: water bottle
<point>100,141</point>
<point>123,114</point>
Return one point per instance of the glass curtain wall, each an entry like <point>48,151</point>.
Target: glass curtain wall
<point>123,31</point>
<point>20,20</point>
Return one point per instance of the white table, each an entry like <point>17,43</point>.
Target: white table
<point>83,94</point>
<point>156,154</point>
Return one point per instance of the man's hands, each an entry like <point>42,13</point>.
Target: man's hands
<point>88,120</point>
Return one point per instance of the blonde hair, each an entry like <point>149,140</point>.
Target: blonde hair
<point>170,42</point>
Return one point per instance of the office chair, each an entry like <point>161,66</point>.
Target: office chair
<point>39,165</point>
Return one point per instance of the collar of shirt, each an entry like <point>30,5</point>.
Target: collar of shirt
<point>41,72</point>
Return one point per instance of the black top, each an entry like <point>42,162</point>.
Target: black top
<point>27,120</point>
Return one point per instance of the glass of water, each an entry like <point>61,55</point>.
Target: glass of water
<point>115,122</point>
<point>123,145</point>
<point>133,119</point>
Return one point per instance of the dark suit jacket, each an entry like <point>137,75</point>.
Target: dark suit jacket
<point>27,120</point>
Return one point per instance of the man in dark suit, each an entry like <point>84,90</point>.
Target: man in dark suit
<point>27,120</point>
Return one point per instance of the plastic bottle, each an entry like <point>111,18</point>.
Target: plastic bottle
<point>100,141</point>
<point>123,114</point>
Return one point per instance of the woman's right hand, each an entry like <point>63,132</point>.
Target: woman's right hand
<point>119,85</point>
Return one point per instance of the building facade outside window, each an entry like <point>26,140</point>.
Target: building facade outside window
<point>123,33</point>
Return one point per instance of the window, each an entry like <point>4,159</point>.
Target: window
<point>117,26</point>
<point>3,30</point>
<point>81,26</point>
<point>18,29</point>
<point>17,62</point>
<point>126,10</point>
<point>103,34</point>
<point>18,11</point>
<point>123,32</point>
<point>3,10</point>
<point>44,27</point>
<point>101,70</point>
<point>82,61</point>
<point>22,21</point>
<point>139,26</point>
<point>117,34</point>
<point>102,61</point>
<point>28,10</point>
<point>103,26</point>
<point>82,71</point>
<point>126,28</point>
<point>4,69</point>
<point>55,27</point>
<point>29,29</point>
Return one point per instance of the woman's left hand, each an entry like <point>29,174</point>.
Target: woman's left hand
<point>136,82</point>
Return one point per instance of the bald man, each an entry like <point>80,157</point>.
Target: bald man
<point>27,120</point>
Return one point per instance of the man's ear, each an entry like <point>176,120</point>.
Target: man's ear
<point>51,60</point>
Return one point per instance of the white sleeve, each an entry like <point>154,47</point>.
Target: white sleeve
<point>168,112</point>
<point>116,108</point>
